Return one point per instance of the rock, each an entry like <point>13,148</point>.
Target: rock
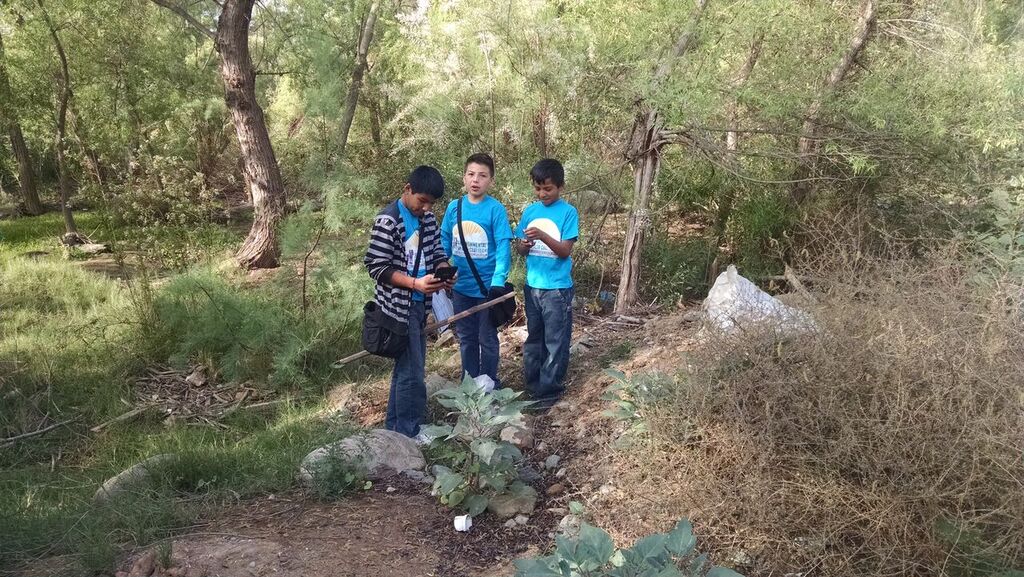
<point>529,475</point>
<point>145,565</point>
<point>552,461</point>
<point>418,476</point>
<point>121,574</point>
<point>570,526</point>
<point>693,316</point>
<point>522,519</point>
<point>542,447</point>
<point>519,435</point>
<point>561,472</point>
<point>581,347</point>
<point>741,558</point>
<point>390,490</point>
<point>381,452</point>
<point>555,490</point>
<point>92,248</point>
<point>436,382</point>
<point>520,499</point>
<point>131,479</point>
<point>510,524</point>
<point>605,489</point>
<point>175,572</point>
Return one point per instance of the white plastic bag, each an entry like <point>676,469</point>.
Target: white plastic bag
<point>736,304</point>
<point>484,382</point>
<point>443,309</point>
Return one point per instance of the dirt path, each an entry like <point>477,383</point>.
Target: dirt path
<point>397,528</point>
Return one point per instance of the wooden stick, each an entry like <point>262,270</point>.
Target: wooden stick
<point>434,326</point>
<point>4,443</point>
<point>123,417</point>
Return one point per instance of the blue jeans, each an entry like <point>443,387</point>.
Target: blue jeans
<point>546,350</point>
<point>407,403</point>
<point>478,339</point>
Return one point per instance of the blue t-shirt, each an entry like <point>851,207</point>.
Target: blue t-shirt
<point>412,245</point>
<point>488,233</point>
<point>545,270</point>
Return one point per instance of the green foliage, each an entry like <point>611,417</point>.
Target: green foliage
<point>674,268</point>
<point>481,465</point>
<point>632,397</point>
<point>337,475</point>
<point>756,232</point>
<point>593,554</point>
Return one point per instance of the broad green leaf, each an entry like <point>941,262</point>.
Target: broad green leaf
<point>648,551</point>
<point>475,504</point>
<point>616,374</point>
<point>456,497</point>
<point>536,568</point>
<point>596,544</point>
<point>436,431</point>
<point>447,482</point>
<point>681,540</point>
<point>484,448</point>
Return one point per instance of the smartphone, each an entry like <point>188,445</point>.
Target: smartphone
<point>444,274</point>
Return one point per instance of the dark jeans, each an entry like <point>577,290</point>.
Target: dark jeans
<point>546,350</point>
<point>407,403</point>
<point>478,339</point>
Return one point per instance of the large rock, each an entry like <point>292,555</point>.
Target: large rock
<point>381,452</point>
<point>436,382</point>
<point>519,499</point>
<point>520,435</point>
<point>134,478</point>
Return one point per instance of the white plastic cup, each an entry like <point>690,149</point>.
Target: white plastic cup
<point>463,523</point>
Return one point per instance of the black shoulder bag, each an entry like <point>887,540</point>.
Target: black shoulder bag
<point>383,335</point>
<point>502,313</point>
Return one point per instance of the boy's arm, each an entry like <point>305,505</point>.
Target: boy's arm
<point>561,248</point>
<point>503,249</point>
<point>379,252</point>
<point>446,231</point>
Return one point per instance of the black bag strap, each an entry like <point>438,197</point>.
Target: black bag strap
<point>465,250</point>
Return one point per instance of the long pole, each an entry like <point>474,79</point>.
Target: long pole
<point>434,326</point>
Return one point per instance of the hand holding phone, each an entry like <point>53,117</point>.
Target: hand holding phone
<point>445,274</point>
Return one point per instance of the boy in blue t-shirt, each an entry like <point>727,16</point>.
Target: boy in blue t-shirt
<point>487,235</point>
<point>545,235</point>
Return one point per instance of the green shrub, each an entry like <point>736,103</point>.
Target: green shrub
<point>755,229</point>
<point>481,464</point>
<point>674,268</point>
<point>593,554</point>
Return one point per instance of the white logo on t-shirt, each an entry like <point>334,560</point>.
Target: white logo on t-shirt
<point>547,225</point>
<point>476,240</point>
<point>411,246</point>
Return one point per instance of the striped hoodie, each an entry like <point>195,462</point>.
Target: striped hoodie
<point>386,255</point>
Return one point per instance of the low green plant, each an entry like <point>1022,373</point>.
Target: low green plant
<point>480,464</point>
<point>593,554</point>
<point>674,267</point>
<point>337,475</point>
<point>631,396</point>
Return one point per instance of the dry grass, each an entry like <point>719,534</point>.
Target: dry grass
<point>888,444</point>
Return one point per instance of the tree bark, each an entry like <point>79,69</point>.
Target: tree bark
<point>357,76</point>
<point>644,152</point>
<point>9,121</point>
<point>262,174</point>
<point>807,145</point>
<point>71,235</point>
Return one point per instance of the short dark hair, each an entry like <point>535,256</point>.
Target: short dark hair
<point>480,158</point>
<point>548,169</point>
<point>426,180</point>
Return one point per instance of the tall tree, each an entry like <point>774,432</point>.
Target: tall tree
<point>358,71</point>
<point>71,234</point>
<point>262,173</point>
<point>807,145</point>
<point>646,141</point>
<point>9,122</point>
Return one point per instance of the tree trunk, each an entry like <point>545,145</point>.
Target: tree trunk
<point>262,174</point>
<point>89,156</point>
<point>26,177</point>
<point>71,235</point>
<point>645,153</point>
<point>807,145</point>
<point>9,121</point>
<point>357,76</point>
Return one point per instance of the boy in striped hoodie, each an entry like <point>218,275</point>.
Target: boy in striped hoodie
<point>404,252</point>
